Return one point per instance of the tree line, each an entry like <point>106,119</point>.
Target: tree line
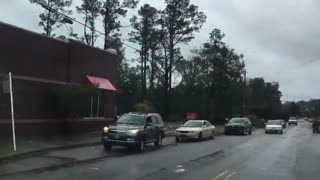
<point>212,82</point>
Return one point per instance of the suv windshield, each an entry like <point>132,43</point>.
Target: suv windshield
<point>193,124</point>
<point>274,122</point>
<point>131,119</point>
<point>237,120</point>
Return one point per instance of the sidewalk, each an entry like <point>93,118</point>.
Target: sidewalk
<point>60,158</point>
<point>28,146</point>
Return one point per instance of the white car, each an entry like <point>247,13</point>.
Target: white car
<point>274,126</point>
<point>293,120</point>
<point>195,129</point>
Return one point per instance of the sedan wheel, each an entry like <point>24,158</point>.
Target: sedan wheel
<point>212,135</point>
<point>244,132</point>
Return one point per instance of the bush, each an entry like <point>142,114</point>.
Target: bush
<point>144,107</point>
<point>256,122</point>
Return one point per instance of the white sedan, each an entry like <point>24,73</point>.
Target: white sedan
<point>195,129</point>
<point>274,126</point>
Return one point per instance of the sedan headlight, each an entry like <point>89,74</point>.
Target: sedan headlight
<point>106,129</point>
<point>133,131</point>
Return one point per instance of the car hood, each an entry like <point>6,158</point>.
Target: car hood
<point>234,124</point>
<point>125,127</point>
<point>274,126</point>
<point>189,129</point>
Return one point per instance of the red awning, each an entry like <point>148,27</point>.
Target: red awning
<point>102,83</point>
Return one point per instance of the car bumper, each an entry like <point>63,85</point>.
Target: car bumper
<point>292,123</point>
<point>185,136</point>
<point>234,130</point>
<point>123,141</point>
<point>273,131</point>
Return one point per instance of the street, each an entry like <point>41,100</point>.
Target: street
<point>293,155</point>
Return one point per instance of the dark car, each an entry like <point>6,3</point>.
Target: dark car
<point>134,130</point>
<point>238,126</point>
<point>316,126</point>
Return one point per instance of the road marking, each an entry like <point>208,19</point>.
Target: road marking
<point>220,175</point>
<point>230,175</point>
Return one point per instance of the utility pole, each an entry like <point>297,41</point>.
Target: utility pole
<point>244,105</point>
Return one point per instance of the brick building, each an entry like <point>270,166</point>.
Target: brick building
<point>40,65</point>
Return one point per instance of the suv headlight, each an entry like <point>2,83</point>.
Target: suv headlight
<point>106,129</point>
<point>133,131</point>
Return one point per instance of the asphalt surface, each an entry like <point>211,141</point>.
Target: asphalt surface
<point>290,156</point>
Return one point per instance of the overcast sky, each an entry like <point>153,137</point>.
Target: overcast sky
<point>279,38</point>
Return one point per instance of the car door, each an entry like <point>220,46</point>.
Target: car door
<point>206,129</point>
<point>150,131</point>
<point>210,128</point>
<point>155,123</point>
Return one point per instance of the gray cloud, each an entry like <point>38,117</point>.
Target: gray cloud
<point>276,37</point>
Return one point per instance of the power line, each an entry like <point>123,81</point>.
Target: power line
<point>83,24</point>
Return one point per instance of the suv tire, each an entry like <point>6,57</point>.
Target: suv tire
<point>107,147</point>
<point>158,142</point>
<point>141,146</point>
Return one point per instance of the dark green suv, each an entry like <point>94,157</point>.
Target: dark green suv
<point>134,130</point>
<point>238,126</point>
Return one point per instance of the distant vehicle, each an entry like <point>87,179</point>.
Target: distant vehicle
<point>134,130</point>
<point>195,129</point>
<point>316,126</point>
<point>293,120</point>
<point>284,124</point>
<point>238,126</point>
<point>274,126</point>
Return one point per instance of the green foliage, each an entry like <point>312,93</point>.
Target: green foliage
<point>50,19</point>
<point>144,107</point>
<point>256,122</point>
<point>130,84</point>
<point>144,26</point>
<point>309,108</point>
<point>264,99</point>
<point>91,10</point>
<point>111,11</point>
<point>211,81</point>
<point>179,20</point>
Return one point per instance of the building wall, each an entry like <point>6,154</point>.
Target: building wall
<point>27,53</point>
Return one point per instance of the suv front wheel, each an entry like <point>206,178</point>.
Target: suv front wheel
<point>107,147</point>
<point>141,146</point>
<point>158,142</point>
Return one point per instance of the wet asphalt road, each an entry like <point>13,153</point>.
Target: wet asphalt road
<point>293,155</point>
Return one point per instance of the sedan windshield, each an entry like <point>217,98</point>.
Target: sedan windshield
<point>274,122</point>
<point>237,120</point>
<point>193,124</point>
<point>131,119</point>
